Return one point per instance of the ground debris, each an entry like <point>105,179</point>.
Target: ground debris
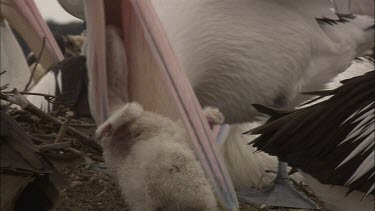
<point>89,190</point>
<point>89,186</point>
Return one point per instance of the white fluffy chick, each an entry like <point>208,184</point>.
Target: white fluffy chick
<point>152,161</point>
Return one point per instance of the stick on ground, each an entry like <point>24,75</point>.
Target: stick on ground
<point>21,101</point>
<point>69,115</point>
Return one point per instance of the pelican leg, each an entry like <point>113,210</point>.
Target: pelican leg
<point>280,194</point>
<point>221,133</point>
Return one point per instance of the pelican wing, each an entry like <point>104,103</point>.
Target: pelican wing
<point>332,140</point>
<point>18,152</point>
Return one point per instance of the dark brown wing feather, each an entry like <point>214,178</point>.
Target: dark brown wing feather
<point>309,138</point>
<point>28,172</point>
<point>18,152</point>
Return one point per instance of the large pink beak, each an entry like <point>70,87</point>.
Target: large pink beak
<point>24,17</point>
<point>155,80</point>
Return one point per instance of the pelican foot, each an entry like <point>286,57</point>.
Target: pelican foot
<point>280,194</point>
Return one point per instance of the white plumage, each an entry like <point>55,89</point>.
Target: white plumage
<point>254,164</point>
<point>257,51</point>
<point>46,85</point>
<point>237,53</point>
<point>152,161</point>
<point>12,59</point>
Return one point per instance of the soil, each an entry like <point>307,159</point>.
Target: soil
<point>93,190</point>
<point>88,189</point>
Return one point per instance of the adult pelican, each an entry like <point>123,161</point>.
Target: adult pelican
<point>67,80</point>
<point>238,53</point>
<point>24,17</point>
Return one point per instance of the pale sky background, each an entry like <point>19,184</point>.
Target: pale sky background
<point>51,10</point>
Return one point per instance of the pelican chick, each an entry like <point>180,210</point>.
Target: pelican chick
<point>152,161</point>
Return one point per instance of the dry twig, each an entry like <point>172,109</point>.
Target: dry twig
<point>21,101</point>
<point>82,125</point>
<point>5,86</point>
<point>69,115</point>
<point>45,136</point>
<point>67,153</point>
<point>32,93</point>
<point>82,154</point>
<point>38,140</point>
<point>55,146</point>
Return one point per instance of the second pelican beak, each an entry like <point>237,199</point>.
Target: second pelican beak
<point>24,17</point>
